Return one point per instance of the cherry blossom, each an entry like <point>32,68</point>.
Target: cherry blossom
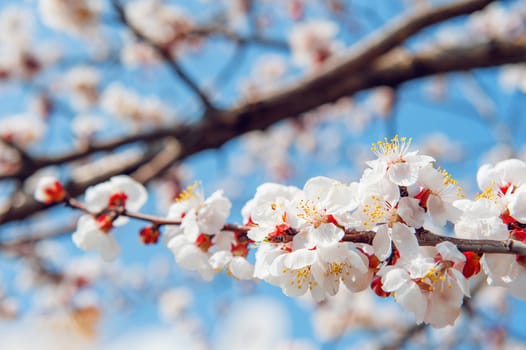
<point>163,24</point>
<point>396,161</point>
<point>72,17</point>
<point>238,266</point>
<point>124,103</point>
<point>323,209</point>
<point>272,211</point>
<point>82,82</point>
<point>431,287</point>
<point>437,193</point>
<point>313,42</point>
<point>197,214</point>
<point>22,129</point>
<point>93,235</point>
<point>49,190</point>
<point>320,271</point>
<point>104,202</point>
<point>313,240</point>
<point>502,203</point>
<point>193,255</point>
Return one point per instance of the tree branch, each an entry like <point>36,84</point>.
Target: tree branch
<point>167,57</point>
<point>392,69</point>
<point>424,237</point>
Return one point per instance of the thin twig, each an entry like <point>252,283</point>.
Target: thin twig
<point>167,57</point>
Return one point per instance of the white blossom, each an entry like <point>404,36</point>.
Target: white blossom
<point>313,42</point>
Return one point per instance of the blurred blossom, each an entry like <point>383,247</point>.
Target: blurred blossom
<point>496,21</point>
<point>513,77</point>
<point>346,312</point>
<point>85,126</point>
<point>9,159</point>
<point>136,53</point>
<point>82,171</point>
<point>313,42</point>
<point>85,269</point>
<point>75,17</point>
<point>297,344</point>
<point>54,331</point>
<point>267,74</point>
<point>40,105</point>
<point>237,11</point>
<point>164,24</point>
<point>82,83</point>
<point>158,338</point>
<point>22,129</point>
<point>51,251</point>
<point>258,321</point>
<point>173,303</point>
<point>31,184</point>
<point>492,298</point>
<point>381,101</point>
<point>16,27</point>
<point>442,148</point>
<point>126,104</point>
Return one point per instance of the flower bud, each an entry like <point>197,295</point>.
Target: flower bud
<point>49,190</point>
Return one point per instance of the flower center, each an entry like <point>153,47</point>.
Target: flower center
<point>188,193</point>
<point>397,146</point>
<point>314,215</point>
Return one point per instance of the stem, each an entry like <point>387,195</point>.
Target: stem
<point>425,237</point>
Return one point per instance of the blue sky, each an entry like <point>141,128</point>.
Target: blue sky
<point>415,116</point>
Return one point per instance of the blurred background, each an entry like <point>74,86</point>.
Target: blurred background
<point>90,89</point>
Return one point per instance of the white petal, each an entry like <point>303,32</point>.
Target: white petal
<point>241,268</point>
<point>394,279</point>
<point>88,237</point>
<point>404,240</point>
<point>411,298</point>
<point>220,259</point>
<point>213,215</point>
<point>97,197</point>
<point>325,234</point>
<point>382,243</point>
<point>258,234</point>
<point>135,191</point>
<point>411,212</point>
<point>299,259</point>
<point>450,252</point>
<point>403,174</point>
<point>517,204</point>
<point>462,282</point>
<point>318,187</point>
<point>359,261</point>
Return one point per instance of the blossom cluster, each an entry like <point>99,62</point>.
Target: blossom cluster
<point>331,235</point>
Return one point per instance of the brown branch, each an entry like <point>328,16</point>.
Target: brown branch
<point>332,81</point>
<point>392,70</point>
<point>395,33</point>
<point>27,205</point>
<point>425,237</point>
<point>428,238</point>
<point>29,238</point>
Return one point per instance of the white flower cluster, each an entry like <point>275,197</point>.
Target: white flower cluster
<point>363,234</point>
